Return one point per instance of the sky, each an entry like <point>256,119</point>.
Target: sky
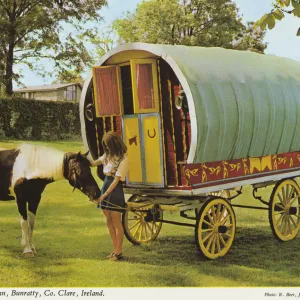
<point>282,40</point>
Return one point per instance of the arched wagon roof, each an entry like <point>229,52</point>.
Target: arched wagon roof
<point>241,103</point>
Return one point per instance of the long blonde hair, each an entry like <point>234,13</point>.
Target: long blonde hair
<point>113,145</point>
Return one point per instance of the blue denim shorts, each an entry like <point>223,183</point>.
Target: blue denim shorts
<point>115,200</point>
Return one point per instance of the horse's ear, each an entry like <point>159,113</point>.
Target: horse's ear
<point>86,154</point>
<point>79,156</point>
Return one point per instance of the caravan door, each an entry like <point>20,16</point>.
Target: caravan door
<point>142,135</point>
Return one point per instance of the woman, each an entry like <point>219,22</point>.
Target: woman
<point>112,200</point>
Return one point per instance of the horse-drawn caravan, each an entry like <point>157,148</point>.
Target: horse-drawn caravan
<point>198,121</point>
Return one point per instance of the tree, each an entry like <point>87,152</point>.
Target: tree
<point>32,30</point>
<point>280,9</point>
<point>190,22</point>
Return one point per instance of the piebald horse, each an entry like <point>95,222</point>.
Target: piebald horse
<point>25,172</point>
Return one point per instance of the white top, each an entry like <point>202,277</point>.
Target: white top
<point>113,167</point>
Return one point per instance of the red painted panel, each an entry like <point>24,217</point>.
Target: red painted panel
<point>107,96</point>
<point>144,83</point>
<point>231,170</point>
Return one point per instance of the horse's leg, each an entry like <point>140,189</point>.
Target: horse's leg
<point>32,209</point>
<point>21,196</point>
<point>21,202</point>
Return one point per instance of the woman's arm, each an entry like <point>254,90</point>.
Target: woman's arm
<point>98,161</point>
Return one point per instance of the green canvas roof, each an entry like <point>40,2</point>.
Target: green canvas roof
<point>241,103</point>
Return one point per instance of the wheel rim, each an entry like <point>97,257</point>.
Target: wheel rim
<point>284,213</point>
<point>141,225</point>
<point>215,228</point>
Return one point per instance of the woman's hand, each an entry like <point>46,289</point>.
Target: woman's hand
<point>96,201</point>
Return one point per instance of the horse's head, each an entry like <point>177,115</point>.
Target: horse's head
<point>78,172</point>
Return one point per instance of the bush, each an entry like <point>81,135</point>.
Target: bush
<point>29,119</point>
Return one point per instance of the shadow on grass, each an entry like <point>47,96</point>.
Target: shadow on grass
<point>252,248</point>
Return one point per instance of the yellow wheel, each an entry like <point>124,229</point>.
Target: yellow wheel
<point>142,225</point>
<point>284,213</point>
<point>215,228</point>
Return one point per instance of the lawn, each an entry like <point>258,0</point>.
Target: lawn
<point>72,242</point>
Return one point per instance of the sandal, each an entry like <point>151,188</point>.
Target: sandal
<point>116,257</point>
<point>110,255</point>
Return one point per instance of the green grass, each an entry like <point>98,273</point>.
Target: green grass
<point>72,241</point>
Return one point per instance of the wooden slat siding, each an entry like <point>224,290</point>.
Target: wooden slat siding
<point>112,123</point>
<point>168,129</point>
<point>184,135</point>
<point>180,142</point>
<point>100,131</point>
<point>189,132</point>
<point>107,124</point>
<point>160,101</point>
<point>179,138</point>
<point>172,151</point>
<point>118,125</point>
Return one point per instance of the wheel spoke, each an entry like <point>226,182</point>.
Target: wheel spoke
<point>207,223</point>
<point>287,194</point>
<point>289,225</point>
<point>291,193</point>
<point>279,219</point>
<point>213,247</point>
<point>283,195</point>
<point>222,240</point>
<point>279,212</point>
<point>210,218</point>
<point>210,242</point>
<point>207,236</point>
<point>225,219</point>
<point>214,214</point>
<point>205,230</point>
<point>280,199</point>
<point>294,223</point>
<point>135,224</point>
<point>141,232</point>
<point>135,232</point>
<point>219,212</point>
<point>218,243</point>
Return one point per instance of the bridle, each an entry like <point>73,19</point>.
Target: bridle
<point>74,170</point>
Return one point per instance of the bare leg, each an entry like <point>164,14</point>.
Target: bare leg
<point>117,223</point>
<point>111,228</point>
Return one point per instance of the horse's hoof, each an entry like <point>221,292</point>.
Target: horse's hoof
<point>33,251</point>
<point>28,254</point>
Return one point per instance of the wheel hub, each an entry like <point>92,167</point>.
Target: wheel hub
<point>292,210</point>
<point>222,229</point>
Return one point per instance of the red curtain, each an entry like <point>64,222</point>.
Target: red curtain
<point>107,96</point>
<point>145,86</point>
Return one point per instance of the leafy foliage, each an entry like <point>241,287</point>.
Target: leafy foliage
<point>40,120</point>
<point>32,29</point>
<point>281,8</point>
<point>194,23</point>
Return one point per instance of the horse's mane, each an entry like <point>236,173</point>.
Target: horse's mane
<point>38,162</point>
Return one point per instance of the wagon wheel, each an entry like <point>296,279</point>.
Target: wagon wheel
<point>142,225</point>
<point>284,212</point>
<point>223,193</point>
<point>215,228</point>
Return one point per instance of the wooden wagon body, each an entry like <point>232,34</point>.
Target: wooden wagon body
<point>198,121</point>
